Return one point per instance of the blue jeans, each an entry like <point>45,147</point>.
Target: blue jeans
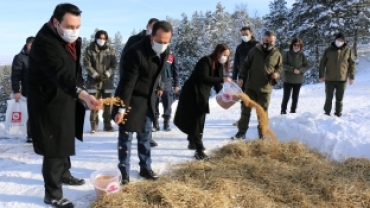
<point>143,146</point>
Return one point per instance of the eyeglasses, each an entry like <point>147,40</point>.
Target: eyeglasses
<point>297,45</point>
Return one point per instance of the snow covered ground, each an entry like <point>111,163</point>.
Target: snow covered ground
<point>21,182</point>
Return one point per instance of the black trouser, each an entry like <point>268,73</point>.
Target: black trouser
<point>29,135</point>
<point>339,87</point>
<point>197,140</point>
<point>53,170</point>
<point>288,87</point>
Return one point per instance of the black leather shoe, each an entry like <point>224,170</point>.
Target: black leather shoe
<point>239,135</point>
<point>125,179</point>
<point>58,203</point>
<point>338,114</point>
<point>153,143</point>
<point>73,181</point>
<point>148,174</point>
<point>200,155</point>
<point>29,140</point>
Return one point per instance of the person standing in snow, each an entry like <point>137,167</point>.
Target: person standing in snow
<point>295,64</point>
<point>20,68</point>
<point>248,42</point>
<point>193,103</point>
<point>100,62</point>
<point>54,94</point>
<point>171,82</point>
<point>260,69</point>
<point>132,41</point>
<point>143,64</point>
<point>336,66</point>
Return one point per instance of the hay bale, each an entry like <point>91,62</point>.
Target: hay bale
<point>261,173</point>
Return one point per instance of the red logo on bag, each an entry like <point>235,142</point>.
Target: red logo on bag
<point>16,117</point>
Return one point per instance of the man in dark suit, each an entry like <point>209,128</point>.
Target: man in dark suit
<point>130,42</point>
<point>54,94</point>
<point>143,63</point>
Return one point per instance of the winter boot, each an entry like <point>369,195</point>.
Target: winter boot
<point>58,203</point>
<point>283,112</point>
<point>239,135</point>
<point>153,143</point>
<point>94,129</point>
<point>166,124</point>
<point>155,125</point>
<point>125,179</point>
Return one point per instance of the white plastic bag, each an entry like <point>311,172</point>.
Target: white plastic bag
<point>228,96</point>
<point>16,117</point>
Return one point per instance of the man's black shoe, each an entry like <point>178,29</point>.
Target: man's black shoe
<point>29,140</point>
<point>153,143</point>
<point>166,125</point>
<point>328,114</point>
<point>200,155</point>
<point>239,135</point>
<point>125,179</point>
<point>148,174</point>
<point>338,114</point>
<point>283,112</point>
<point>155,125</point>
<point>73,181</point>
<point>58,203</point>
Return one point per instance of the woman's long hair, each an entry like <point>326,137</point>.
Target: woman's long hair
<point>216,54</point>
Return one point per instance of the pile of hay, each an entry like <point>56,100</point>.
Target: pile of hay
<point>261,173</point>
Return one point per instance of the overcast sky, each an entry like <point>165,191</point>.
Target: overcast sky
<point>22,18</point>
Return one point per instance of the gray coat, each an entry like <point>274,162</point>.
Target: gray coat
<point>99,62</point>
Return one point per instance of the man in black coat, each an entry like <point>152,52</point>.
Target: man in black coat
<point>130,42</point>
<point>248,42</point>
<point>143,63</point>
<point>19,76</point>
<point>55,91</point>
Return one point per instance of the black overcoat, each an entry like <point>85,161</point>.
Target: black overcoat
<point>141,73</point>
<point>194,98</point>
<point>56,117</point>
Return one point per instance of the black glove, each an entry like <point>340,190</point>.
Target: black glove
<point>101,78</point>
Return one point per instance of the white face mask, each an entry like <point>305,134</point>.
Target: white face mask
<point>245,38</point>
<point>159,48</point>
<point>222,59</point>
<point>296,50</point>
<point>100,42</point>
<point>149,32</point>
<point>69,36</point>
<point>338,43</point>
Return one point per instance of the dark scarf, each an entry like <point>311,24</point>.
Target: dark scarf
<point>70,46</point>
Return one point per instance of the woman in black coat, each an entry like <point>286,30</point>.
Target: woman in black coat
<point>193,102</point>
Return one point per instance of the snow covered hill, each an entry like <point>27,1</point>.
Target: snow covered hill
<point>21,183</point>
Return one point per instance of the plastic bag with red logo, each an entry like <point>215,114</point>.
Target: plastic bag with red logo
<point>228,96</point>
<point>16,117</point>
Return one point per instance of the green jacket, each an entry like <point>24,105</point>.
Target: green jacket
<point>258,67</point>
<point>99,62</point>
<point>337,64</point>
<point>291,61</point>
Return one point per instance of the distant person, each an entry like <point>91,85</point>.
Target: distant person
<point>20,68</point>
<point>54,94</point>
<point>130,42</point>
<point>242,50</point>
<point>171,82</point>
<point>336,66</point>
<point>260,69</point>
<point>194,98</point>
<point>295,64</point>
<point>143,64</point>
<point>100,62</point>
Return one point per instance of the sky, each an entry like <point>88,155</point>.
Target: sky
<point>22,18</point>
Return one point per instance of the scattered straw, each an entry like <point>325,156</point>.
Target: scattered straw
<point>261,173</point>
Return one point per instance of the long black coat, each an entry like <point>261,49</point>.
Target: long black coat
<point>56,117</point>
<point>194,98</point>
<point>141,70</point>
<point>19,72</point>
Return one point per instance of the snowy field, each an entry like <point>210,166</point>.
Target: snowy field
<point>21,182</point>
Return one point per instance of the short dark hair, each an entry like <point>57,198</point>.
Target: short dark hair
<point>62,9</point>
<point>294,41</point>
<point>99,33</point>
<point>29,39</point>
<point>269,33</point>
<point>246,28</point>
<point>151,20</point>
<point>165,26</point>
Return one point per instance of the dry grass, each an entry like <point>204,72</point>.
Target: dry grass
<point>261,173</point>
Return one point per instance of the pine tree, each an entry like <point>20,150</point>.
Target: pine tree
<point>5,80</point>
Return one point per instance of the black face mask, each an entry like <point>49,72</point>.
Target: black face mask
<point>268,46</point>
